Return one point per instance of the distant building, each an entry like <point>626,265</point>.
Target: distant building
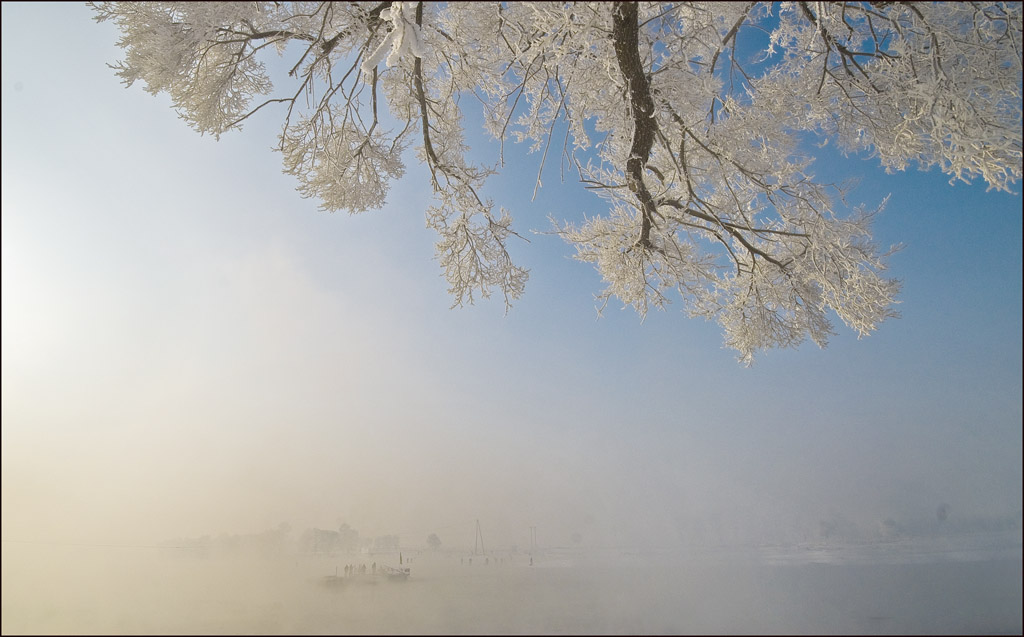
<point>348,538</point>
<point>320,541</point>
<point>386,543</point>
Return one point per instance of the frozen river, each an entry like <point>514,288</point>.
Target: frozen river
<point>883,590</point>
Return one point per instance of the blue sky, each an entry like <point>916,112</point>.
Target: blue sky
<point>190,347</point>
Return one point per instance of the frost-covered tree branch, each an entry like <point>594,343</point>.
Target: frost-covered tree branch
<point>700,151</point>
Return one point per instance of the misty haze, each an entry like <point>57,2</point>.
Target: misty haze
<point>326,582</point>
<point>720,349</point>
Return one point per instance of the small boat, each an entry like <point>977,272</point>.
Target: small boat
<point>395,574</point>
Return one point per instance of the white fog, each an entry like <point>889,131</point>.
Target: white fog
<point>221,403</point>
<point>941,586</point>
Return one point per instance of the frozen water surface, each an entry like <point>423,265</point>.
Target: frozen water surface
<point>970,587</point>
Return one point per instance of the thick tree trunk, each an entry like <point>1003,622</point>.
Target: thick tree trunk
<point>625,35</point>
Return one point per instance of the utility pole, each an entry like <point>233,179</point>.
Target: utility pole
<point>533,539</point>
<point>479,541</point>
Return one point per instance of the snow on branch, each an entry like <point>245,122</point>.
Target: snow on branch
<point>697,149</point>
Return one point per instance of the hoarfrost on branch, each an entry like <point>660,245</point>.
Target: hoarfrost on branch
<point>699,152</point>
